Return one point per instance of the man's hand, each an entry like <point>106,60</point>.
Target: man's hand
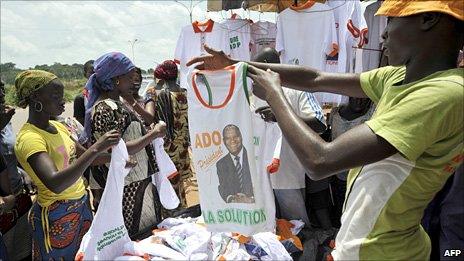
<point>214,61</point>
<point>5,116</point>
<point>265,83</point>
<point>108,140</point>
<point>266,114</point>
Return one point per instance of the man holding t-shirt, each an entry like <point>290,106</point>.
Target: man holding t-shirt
<point>402,156</point>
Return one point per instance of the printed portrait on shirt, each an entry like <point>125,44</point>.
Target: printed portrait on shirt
<point>233,170</point>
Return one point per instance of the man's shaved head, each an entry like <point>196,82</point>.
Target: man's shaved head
<point>267,55</point>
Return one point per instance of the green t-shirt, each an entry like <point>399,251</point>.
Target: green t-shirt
<point>385,200</point>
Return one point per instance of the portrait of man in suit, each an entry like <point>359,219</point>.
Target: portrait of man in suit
<point>233,170</point>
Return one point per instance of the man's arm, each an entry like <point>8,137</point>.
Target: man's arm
<point>267,115</point>
<point>357,147</point>
<point>291,76</point>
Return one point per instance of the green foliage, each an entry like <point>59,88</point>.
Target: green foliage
<point>71,89</point>
<point>70,75</point>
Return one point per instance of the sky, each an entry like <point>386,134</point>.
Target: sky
<point>44,32</point>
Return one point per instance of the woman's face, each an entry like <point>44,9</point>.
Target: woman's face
<point>126,83</point>
<point>51,98</point>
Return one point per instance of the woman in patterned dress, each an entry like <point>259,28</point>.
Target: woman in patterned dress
<point>171,107</point>
<point>114,77</point>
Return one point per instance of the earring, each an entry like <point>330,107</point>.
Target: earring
<point>117,82</point>
<point>38,107</point>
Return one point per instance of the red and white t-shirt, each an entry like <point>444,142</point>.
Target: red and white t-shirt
<point>351,30</point>
<point>306,35</point>
<point>191,43</point>
<point>235,196</point>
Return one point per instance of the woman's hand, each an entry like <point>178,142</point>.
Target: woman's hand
<point>159,130</point>
<point>5,115</point>
<point>265,83</point>
<point>214,61</point>
<point>108,140</point>
<point>7,203</point>
<point>131,162</point>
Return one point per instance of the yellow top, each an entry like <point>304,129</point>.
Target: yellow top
<point>61,149</point>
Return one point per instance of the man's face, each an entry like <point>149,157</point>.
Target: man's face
<point>88,72</point>
<point>401,36</point>
<point>233,141</point>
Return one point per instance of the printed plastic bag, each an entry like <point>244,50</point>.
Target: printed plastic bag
<point>107,235</point>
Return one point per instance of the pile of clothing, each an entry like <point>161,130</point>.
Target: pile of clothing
<point>188,239</point>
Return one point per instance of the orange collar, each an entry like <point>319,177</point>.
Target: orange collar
<point>306,5</point>
<point>209,26</point>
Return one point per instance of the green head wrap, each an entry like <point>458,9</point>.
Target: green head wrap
<point>29,81</point>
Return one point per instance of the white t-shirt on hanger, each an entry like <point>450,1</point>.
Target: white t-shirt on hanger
<point>351,31</point>
<point>239,38</point>
<point>191,43</point>
<point>306,35</point>
<point>263,34</point>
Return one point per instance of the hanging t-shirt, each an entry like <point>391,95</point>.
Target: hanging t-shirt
<point>369,58</point>
<point>234,196</point>
<point>61,149</point>
<point>306,35</point>
<point>191,43</point>
<point>263,34</point>
<point>239,38</point>
<point>291,174</point>
<point>386,199</point>
<point>351,30</point>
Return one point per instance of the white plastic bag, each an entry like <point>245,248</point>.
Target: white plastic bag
<point>107,235</point>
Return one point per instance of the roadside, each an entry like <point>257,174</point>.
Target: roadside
<point>20,117</point>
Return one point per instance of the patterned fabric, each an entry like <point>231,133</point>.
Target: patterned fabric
<point>171,107</point>
<point>68,221</point>
<point>141,204</point>
<point>30,81</point>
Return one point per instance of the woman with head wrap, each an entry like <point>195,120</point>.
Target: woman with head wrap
<point>137,103</point>
<point>55,162</point>
<point>171,107</point>
<point>114,77</point>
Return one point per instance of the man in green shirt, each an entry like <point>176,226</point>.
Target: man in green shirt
<point>402,156</point>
